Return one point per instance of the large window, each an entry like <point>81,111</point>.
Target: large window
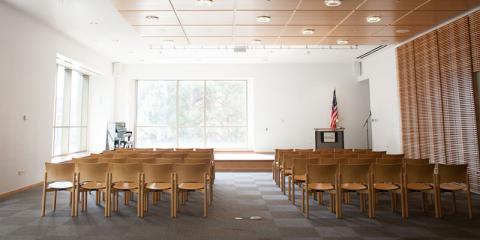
<point>198,113</point>
<point>71,102</point>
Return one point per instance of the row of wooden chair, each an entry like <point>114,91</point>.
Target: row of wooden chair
<point>109,179</point>
<point>370,179</point>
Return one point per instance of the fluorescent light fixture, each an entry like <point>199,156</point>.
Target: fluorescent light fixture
<point>374,19</point>
<point>333,3</point>
<point>205,3</point>
<point>264,19</point>
<point>256,41</point>
<point>342,42</point>
<point>152,18</point>
<point>308,31</point>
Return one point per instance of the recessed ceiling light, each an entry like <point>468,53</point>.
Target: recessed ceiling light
<point>256,41</point>
<point>93,23</point>
<point>308,31</point>
<point>205,2</point>
<point>264,19</point>
<point>374,19</point>
<point>402,31</point>
<point>333,3</point>
<point>342,42</point>
<point>152,18</point>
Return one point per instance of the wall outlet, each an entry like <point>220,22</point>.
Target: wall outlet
<point>20,173</point>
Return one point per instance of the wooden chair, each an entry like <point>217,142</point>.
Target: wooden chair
<point>92,177</point>
<point>184,149</point>
<point>59,177</point>
<point>84,160</point>
<point>303,150</point>
<point>388,178</point>
<point>157,179</point>
<point>286,169</point>
<point>356,178</point>
<point>299,168</point>
<point>393,156</point>
<point>276,165</point>
<point>210,171</point>
<point>453,179</point>
<point>320,178</point>
<point>164,149</point>
<point>168,160</point>
<point>126,178</point>
<point>420,178</point>
<point>191,177</point>
<point>173,155</point>
<point>416,161</point>
<point>140,160</point>
<point>112,160</point>
<point>362,150</point>
<point>389,161</point>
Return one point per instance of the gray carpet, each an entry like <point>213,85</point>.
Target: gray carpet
<point>236,195</point>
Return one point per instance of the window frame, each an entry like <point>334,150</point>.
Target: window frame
<point>204,126</point>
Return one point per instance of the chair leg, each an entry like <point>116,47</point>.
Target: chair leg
<point>372,199</point>
<point>293,192</point>
<point>145,200</point>
<point>469,204</point>
<point>320,198</point>
<point>86,201</point>
<point>303,201</point>
<point>307,204</point>
<point>210,193</point>
<point>205,202</point>
<point>406,204</point>
<point>424,202</point>
<point>54,200</point>
<point>454,203</point>
<point>338,203</point>
<point>289,188</point>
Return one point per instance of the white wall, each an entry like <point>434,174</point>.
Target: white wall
<point>289,100</point>
<point>28,71</point>
<point>381,71</point>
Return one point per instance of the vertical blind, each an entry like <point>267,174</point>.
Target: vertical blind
<point>437,95</point>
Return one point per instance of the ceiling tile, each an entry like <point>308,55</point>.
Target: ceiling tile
<point>165,41</point>
<point>427,17</point>
<point>250,17</point>
<point>138,17</point>
<point>193,5</point>
<point>399,30</point>
<point>320,5</point>
<point>200,31</point>
<point>150,5</point>
<point>264,31</point>
<point>206,17</point>
<point>248,40</point>
<point>318,17</point>
<point>151,31</point>
<point>364,40</point>
<point>360,31</point>
<point>266,5</point>
<point>299,40</point>
<point>460,5</point>
<point>211,40</point>
<point>398,5</point>
<point>297,30</point>
<point>360,17</point>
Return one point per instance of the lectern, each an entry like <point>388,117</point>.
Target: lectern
<point>329,138</point>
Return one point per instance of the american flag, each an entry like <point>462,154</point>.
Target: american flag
<point>334,113</point>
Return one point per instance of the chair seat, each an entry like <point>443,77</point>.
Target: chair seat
<point>191,186</point>
<point>288,171</point>
<point>62,185</point>
<point>353,186</point>
<point>93,185</point>
<point>452,186</point>
<point>125,185</point>
<point>419,186</point>
<point>299,178</point>
<point>321,186</point>
<point>158,186</point>
<point>386,186</point>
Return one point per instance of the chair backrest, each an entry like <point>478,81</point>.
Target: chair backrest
<point>92,171</point>
<point>419,173</point>
<point>327,160</point>
<point>337,150</point>
<point>199,155</point>
<point>148,155</point>
<point>346,155</point>
<point>197,160</point>
<point>389,161</point>
<point>184,149</point>
<point>125,172</point>
<point>112,160</point>
<point>191,173</point>
<point>84,160</point>
<point>144,149</point>
<point>299,166</point>
<point>140,160</point>
<point>322,173</point>
<point>164,150</point>
<point>394,156</point>
<point>452,173</point>
<point>60,171</point>
<point>168,160</point>
<point>173,155</point>
<point>370,155</point>
<point>155,173</point>
<point>355,173</point>
<point>362,150</point>
<point>361,161</point>
<point>416,161</point>
<point>107,155</point>
<point>387,173</point>
<point>304,150</point>
<point>325,150</point>
<point>320,155</point>
<point>288,159</point>
<point>125,155</point>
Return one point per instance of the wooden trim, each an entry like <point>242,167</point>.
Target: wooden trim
<point>19,190</point>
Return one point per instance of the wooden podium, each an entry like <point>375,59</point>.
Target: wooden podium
<point>327,138</point>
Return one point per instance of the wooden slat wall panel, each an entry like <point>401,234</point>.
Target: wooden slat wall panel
<point>461,141</point>
<point>475,39</point>
<point>408,99</point>
<point>429,98</point>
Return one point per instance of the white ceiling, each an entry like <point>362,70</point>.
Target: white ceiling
<point>98,25</point>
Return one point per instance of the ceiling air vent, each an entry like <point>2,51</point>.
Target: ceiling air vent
<point>372,51</point>
<point>240,49</point>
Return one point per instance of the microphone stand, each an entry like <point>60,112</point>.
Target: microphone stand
<point>366,124</point>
